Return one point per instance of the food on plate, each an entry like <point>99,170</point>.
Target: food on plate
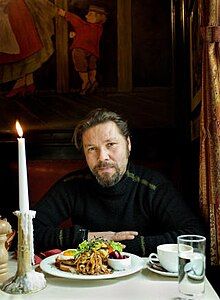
<point>90,258</point>
<point>119,261</point>
<point>117,255</point>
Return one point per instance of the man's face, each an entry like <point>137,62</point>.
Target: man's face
<point>91,17</point>
<point>106,151</point>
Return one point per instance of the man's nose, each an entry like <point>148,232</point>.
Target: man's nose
<point>103,154</point>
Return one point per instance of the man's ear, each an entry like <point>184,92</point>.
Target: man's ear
<point>129,143</point>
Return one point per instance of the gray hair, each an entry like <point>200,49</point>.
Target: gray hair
<point>95,117</point>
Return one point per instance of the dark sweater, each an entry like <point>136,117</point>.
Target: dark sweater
<point>142,201</point>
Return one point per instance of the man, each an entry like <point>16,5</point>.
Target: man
<point>112,198</point>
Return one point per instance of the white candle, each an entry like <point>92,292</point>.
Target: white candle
<point>22,172</point>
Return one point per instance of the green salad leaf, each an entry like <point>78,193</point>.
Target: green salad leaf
<point>96,244</point>
<point>116,246</point>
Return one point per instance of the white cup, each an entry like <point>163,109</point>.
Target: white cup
<point>167,256</point>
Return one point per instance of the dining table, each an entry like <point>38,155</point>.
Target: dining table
<point>140,284</point>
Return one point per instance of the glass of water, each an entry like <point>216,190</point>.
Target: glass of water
<point>191,265</point>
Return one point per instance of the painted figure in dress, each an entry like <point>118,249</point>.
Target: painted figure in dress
<point>25,41</point>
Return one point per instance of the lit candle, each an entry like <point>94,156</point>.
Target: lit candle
<point>22,172</point>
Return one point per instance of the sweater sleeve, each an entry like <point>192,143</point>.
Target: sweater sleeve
<point>51,212</point>
<point>170,217</point>
<point>75,20</point>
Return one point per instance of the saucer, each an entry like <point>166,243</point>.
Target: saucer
<point>154,269</point>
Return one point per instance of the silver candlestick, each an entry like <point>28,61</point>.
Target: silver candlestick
<point>26,279</point>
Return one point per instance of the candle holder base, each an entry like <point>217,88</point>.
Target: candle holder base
<point>30,282</point>
<point>26,279</point>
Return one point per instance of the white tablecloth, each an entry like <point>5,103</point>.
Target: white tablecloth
<point>141,285</point>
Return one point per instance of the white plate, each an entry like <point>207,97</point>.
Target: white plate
<point>48,266</point>
<point>164,273</point>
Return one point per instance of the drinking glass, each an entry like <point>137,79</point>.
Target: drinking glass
<point>191,265</point>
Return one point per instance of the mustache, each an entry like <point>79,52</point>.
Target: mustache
<point>104,165</point>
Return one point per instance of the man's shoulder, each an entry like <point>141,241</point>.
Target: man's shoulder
<point>81,174</point>
<point>145,175</point>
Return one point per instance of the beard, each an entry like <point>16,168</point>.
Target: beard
<point>106,179</point>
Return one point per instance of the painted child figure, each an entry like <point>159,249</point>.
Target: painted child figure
<point>85,45</point>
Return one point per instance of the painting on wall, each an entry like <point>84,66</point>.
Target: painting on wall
<point>26,43</point>
<point>48,83</point>
<point>31,31</point>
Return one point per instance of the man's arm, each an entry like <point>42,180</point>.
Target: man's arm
<point>51,211</point>
<point>115,236</point>
<point>171,218</point>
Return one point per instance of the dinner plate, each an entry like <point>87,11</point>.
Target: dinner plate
<point>48,266</point>
<point>164,273</point>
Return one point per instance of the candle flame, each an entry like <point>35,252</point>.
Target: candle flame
<point>19,129</point>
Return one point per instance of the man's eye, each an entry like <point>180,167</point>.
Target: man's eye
<point>109,145</point>
<point>91,149</point>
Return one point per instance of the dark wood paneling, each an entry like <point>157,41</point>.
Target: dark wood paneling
<point>151,108</point>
